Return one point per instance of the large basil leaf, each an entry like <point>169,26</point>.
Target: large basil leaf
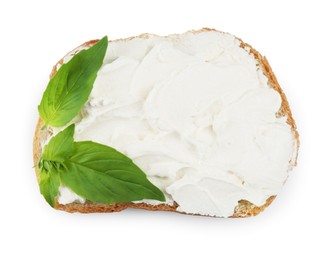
<point>102,174</point>
<point>71,86</point>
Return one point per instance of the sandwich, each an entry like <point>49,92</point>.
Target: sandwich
<point>194,123</point>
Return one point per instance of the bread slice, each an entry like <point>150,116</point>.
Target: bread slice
<point>244,207</point>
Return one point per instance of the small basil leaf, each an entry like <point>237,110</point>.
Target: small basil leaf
<point>71,86</point>
<point>101,174</point>
<point>49,186</point>
<point>61,146</point>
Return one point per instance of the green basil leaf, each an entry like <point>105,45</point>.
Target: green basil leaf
<point>49,186</point>
<point>71,86</point>
<point>61,146</point>
<point>101,174</point>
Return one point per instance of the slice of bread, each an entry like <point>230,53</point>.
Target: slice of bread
<point>244,207</point>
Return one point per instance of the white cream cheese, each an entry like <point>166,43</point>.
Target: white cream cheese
<point>67,196</point>
<point>196,114</point>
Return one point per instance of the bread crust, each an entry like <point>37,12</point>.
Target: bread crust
<point>244,207</point>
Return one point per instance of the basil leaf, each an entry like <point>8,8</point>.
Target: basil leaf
<point>101,174</point>
<point>49,186</point>
<point>71,86</point>
<point>60,147</point>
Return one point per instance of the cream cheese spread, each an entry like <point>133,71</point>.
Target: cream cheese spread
<point>196,114</point>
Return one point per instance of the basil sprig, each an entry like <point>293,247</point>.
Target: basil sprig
<point>71,86</point>
<point>94,171</point>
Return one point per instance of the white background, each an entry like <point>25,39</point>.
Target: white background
<point>294,35</point>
